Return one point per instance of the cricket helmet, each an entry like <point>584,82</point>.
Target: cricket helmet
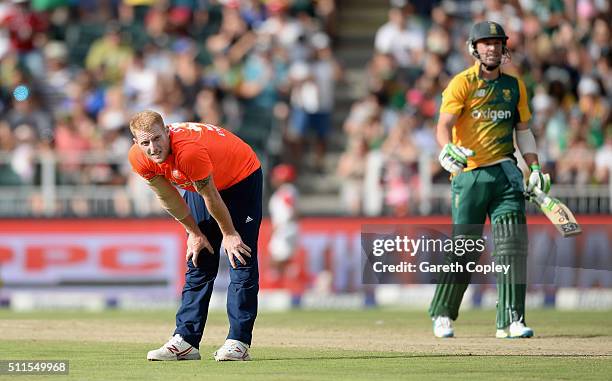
<point>483,30</point>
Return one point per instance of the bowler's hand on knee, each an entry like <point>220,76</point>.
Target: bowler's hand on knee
<point>234,247</point>
<point>195,243</point>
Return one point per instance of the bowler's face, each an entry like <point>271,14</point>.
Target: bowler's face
<point>155,143</point>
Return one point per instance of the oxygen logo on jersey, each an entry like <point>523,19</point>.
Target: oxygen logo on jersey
<point>490,114</point>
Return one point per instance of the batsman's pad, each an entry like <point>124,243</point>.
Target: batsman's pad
<point>447,300</point>
<point>452,285</point>
<point>510,237</point>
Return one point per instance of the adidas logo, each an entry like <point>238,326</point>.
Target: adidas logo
<point>248,219</point>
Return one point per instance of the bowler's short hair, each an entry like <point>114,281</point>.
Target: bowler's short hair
<point>145,121</point>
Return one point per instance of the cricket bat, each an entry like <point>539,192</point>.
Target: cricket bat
<point>557,212</point>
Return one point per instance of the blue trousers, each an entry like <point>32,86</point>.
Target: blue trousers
<point>244,201</point>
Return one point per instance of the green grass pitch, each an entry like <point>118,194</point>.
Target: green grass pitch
<point>375,344</point>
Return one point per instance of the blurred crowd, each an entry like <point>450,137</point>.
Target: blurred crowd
<point>72,73</point>
<point>560,48</point>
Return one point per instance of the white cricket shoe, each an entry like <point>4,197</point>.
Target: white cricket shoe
<point>443,327</point>
<point>175,349</point>
<point>516,330</point>
<point>233,350</point>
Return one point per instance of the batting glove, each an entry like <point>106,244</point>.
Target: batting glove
<point>453,158</point>
<point>537,179</point>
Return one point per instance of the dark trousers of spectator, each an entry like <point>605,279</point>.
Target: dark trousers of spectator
<point>244,201</point>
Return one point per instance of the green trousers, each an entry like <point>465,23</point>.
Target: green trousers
<point>496,192</point>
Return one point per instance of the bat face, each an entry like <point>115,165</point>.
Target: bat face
<point>563,219</point>
<point>558,213</point>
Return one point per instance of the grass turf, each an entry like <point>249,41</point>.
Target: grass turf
<point>315,360</point>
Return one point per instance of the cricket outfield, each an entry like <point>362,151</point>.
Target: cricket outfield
<point>369,344</point>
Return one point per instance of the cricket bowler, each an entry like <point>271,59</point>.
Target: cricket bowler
<point>482,108</point>
<point>222,175</point>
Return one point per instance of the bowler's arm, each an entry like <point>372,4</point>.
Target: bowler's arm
<point>172,202</point>
<point>232,242</point>
<point>215,205</point>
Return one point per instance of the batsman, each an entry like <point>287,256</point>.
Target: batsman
<point>482,109</point>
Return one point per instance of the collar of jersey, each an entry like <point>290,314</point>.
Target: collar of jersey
<point>477,69</point>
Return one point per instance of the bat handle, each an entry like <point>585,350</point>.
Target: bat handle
<point>538,192</point>
<point>541,198</point>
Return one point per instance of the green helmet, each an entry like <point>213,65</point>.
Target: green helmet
<point>487,29</point>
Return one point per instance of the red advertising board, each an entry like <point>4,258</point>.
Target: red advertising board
<point>91,253</point>
<point>150,252</point>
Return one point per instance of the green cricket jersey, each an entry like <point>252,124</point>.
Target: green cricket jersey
<point>488,112</point>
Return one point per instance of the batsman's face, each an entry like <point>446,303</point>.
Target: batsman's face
<point>155,143</point>
<point>490,51</point>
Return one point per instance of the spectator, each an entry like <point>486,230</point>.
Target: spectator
<point>229,61</point>
<point>259,93</point>
<point>109,55</point>
<point>595,108</point>
<point>71,144</point>
<point>603,69</point>
<point>56,82</point>
<point>312,99</point>
<point>603,159</point>
<point>169,100</point>
<point>402,36</point>
<point>281,28</point>
<point>26,30</point>
<point>7,145</point>
<point>114,114</point>
<point>29,111</point>
<point>283,207</point>
<point>24,154</point>
<point>140,82</point>
<point>401,156</point>
<point>351,170</point>
<point>188,71</point>
<point>207,107</point>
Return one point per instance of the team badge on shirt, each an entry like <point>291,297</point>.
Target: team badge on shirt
<point>480,93</point>
<point>507,95</point>
<point>177,174</point>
